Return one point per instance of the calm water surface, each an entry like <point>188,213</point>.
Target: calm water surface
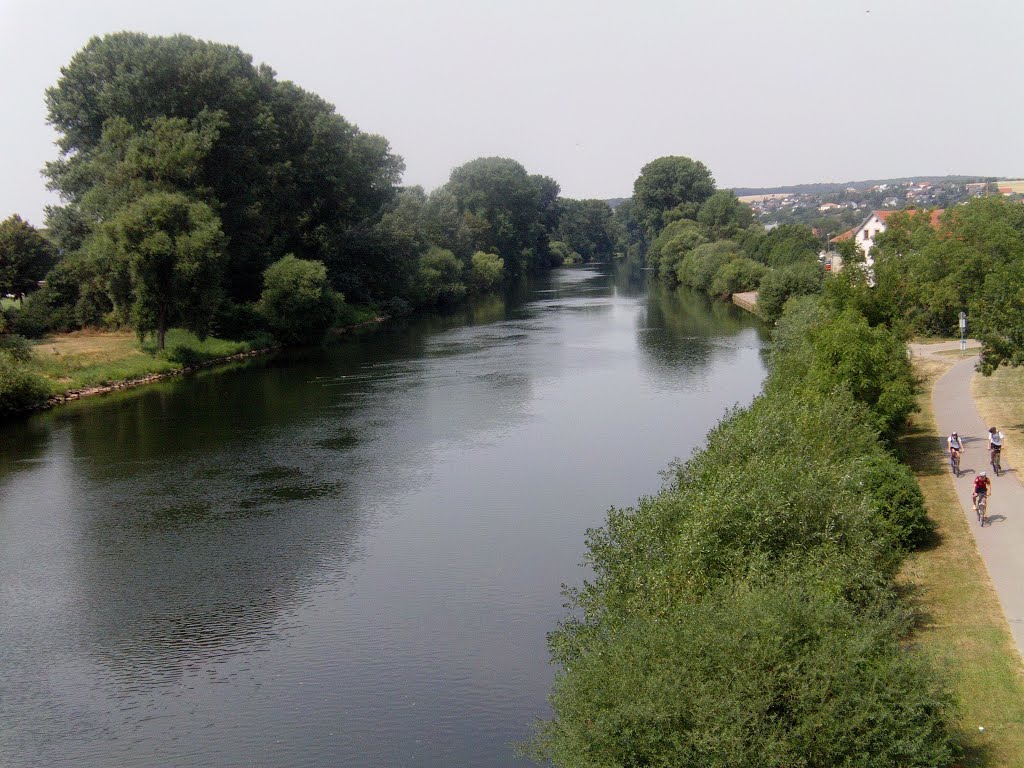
<point>349,558</point>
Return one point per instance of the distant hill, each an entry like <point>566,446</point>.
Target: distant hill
<point>824,188</point>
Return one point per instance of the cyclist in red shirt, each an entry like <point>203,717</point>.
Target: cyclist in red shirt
<point>982,487</point>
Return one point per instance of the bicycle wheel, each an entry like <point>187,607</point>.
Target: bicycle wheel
<point>982,508</point>
<point>996,463</point>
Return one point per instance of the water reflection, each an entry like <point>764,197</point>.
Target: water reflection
<point>348,555</point>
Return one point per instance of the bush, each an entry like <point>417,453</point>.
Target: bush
<point>779,285</point>
<point>751,674</point>
<point>821,352</point>
<point>297,301</point>
<point>896,496</point>
<point>699,267</point>
<point>17,348</point>
<point>20,389</point>
<point>439,279</point>
<point>736,276</point>
<point>488,269</point>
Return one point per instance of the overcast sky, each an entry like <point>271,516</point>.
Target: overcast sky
<point>587,91</point>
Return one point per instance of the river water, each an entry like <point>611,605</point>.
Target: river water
<point>348,557</point>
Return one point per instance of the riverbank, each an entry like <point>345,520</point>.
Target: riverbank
<point>84,364</point>
<point>961,622</point>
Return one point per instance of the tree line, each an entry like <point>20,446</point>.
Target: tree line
<point>186,172</point>
<point>923,275</point>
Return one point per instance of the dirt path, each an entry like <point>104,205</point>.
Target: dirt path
<point>1001,544</point>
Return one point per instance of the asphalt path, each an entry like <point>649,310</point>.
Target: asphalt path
<point>1001,543</point>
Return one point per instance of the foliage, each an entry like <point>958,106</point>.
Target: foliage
<point>762,673</point>
<point>786,245</point>
<point>297,301</point>
<point>778,285</point>
<point>439,279</point>
<point>25,257</point>
<point>736,276</point>
<point>170,247</point>
<point>509,211</point>
<point>668,189</point>
<point>820,352</point>
<point>284,172</point>
<point>724,215</point>
<point>563,253</point>
<point>672,245</point>
<point>772,551</point>
<point>488,270</point>
<point>584,227</point>
<point>20,388</point>
<point>699,267</point>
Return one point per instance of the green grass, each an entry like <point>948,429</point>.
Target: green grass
<point>1000,399</point>
<point>6,303</point>
<point>963,626</point>
<point>81,360</point>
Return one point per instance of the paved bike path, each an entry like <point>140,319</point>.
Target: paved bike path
<point>1002,543</point>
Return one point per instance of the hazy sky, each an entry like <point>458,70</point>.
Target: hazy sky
<point>587,91</point>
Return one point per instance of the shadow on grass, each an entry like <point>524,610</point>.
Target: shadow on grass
<point>919,449</point>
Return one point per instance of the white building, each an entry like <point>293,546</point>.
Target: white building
<point>874,225</point>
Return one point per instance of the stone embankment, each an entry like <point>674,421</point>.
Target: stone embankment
<point>746,300</point>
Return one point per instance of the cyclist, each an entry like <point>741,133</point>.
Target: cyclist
<point>995,443</point>
<point>955,446</point>
<point>982,487</point>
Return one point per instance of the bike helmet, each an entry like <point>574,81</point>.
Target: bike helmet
<point>955,435</point>
<point>982,473</point>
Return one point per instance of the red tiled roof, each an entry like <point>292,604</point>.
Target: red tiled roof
<point>884,215</point>
<point>845,236</point>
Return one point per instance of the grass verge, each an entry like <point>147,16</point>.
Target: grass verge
<point>1000,399</point>
<point>92,359</point>
<point>963,625</point>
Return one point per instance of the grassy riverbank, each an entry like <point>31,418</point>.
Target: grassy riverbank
<point>85,359</point>
<point>963,626</point>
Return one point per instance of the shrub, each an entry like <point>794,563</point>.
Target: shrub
<point>297,301</point>
<point>488,269</point>
<point>779,285</point>
<point>736,276</point>
<point>17,348</point>
<point>439,279</point>
<point>820,352</point>
<point>20,389</point>
<point>699,266</point>
<point>751,674</point>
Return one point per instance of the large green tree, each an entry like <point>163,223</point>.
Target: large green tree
<point>509,211</point>
<point>284,172</point>
<point>25,256</point>
<point>585,227</point>
<point>670,187</point>
<point>171,249</point>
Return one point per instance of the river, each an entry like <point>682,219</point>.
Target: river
<point>349,557</point>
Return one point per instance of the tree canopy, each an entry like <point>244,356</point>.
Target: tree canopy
<point>25,256</point>
<point>675,186</point>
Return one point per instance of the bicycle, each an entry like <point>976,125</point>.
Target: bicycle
<point>954,462</point>
<point>996,463</point>
<point>981,507</point>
